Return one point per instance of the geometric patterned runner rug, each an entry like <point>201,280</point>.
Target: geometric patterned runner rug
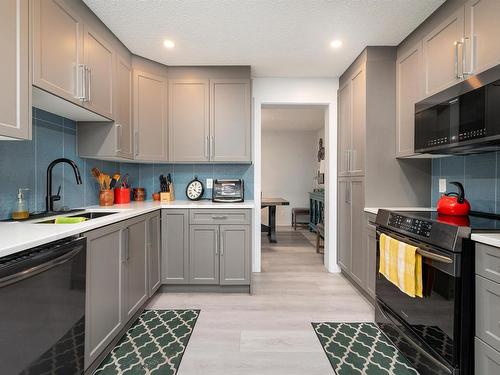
<point>155,344</point>
<point>361,349</point>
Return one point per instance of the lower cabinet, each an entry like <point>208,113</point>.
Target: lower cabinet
<point>123,270</point>
<point>370,252</point>
<point>212,253</point>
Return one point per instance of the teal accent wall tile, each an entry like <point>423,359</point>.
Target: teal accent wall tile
<point>480,181</point>
<point>147,179</point>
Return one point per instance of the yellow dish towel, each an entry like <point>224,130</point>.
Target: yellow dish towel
<point>401,265</point>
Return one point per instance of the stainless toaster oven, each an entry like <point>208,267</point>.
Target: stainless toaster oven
<point>228,190</point>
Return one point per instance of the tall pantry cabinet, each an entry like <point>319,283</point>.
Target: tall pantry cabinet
<point>369,175</point>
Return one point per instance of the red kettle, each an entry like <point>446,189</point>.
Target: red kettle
<point>454,203</point>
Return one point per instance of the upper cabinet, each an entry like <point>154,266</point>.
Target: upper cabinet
<point>123,112</point>
<point>15,87</point>
<point>441,54</point>
<point>230,120</point>
<point>98,73</point>
<point>150,116</point>
<point>408,92</point>
<point>480,45</point>
<point>71,61</point>
<point>189,120</point>
<point>352,124</point>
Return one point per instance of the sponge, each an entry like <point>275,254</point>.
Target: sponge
<point>69,220</point>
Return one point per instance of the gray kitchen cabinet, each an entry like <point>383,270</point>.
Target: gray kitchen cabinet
<point>359,261</point>
<point>409,90</point>
<point>153,243</point>
<point>230,128</point>
<point>234,246</point>
<point>442,49</point>
<point>175,246</point>
<point>188,113</point>
<point>488,311</point>
<point>123,110</point>
<point>219,216</point>
<point>98,57</point>
<point>136,266</point>
<point>57,50</point>
<point>15,75</point>
<point>105,271</point>
<point>344,129</point>
<point>344,225</point>
<point>481,50</point>
<point>358,123</point>
<point>486,359</point>
<point>371,252</point>
<point>204,254</point>
<point>150,116</point>
<point>488,262</point>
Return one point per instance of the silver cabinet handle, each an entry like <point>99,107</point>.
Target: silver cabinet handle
<point>80,82</point>
<point>212,146</point>
<point>219,217</point>
<point>349,193</point>
<point>136,142</point>
<point>221,239</point>
<point>119,131</point>
<point>352,160</point>
<point>465,72</point>
<point>458,73</point>
<point>217,243</point>
<point>207,156</point>
<point>125,249</point>
<point>90,84</point>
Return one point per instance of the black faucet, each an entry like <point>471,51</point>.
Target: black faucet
<point>50,199</point>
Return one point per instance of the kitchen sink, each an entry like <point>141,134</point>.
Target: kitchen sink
<point>89,215</point>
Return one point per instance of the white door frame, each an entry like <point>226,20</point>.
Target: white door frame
<point>330,259</point>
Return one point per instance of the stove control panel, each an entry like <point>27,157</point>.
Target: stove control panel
<point>412,225</point>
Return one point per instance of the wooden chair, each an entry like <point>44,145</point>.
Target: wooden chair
<point>299,211</point>
<point>320,235</point>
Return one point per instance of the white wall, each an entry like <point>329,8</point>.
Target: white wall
<point>289,164</point>
<point>321,91</point>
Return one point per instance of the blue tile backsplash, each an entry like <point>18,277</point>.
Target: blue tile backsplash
<point>24,164</point>
<point>478,173</point>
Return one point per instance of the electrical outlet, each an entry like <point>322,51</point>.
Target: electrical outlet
<point>210,183</point>
<point>442,185</point>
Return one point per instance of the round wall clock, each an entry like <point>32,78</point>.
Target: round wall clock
<point>194,190</point>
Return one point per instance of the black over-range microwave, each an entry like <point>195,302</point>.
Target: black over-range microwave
<point>465,124</point>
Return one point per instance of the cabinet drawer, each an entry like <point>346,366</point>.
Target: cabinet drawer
<point>487,359</point>
<point>488,262</point>
<point>488,311</point>
<point>220,216</point>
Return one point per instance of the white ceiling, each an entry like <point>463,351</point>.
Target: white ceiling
<point>293,118</point>
<point>278,38</point>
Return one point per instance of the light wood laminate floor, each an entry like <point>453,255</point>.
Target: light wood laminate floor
<point>270,331</point>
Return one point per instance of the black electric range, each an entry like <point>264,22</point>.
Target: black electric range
<point>435,332</point>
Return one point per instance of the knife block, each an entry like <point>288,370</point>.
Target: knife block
<point>167,196</point>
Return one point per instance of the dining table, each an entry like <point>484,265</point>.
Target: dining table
<point>270,228</point>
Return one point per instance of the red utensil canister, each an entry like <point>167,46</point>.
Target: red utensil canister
<point>122,195</point>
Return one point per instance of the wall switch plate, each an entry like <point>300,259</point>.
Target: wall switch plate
<point>210,183</point>
<point>442,185</point>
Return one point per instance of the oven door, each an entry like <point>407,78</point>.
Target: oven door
<point>434,320</point>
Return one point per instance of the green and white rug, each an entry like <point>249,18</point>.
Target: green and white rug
<point>153,345</point>
<point>361,349</point>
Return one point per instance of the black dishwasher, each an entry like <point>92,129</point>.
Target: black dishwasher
<point>42,309</point>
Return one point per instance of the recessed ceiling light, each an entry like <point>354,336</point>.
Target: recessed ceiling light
<point>336,43</point>
<point>168,43</point>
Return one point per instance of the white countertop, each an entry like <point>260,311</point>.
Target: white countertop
<point>19,236</point>
<point>492,239</point>
<point>374,210</point>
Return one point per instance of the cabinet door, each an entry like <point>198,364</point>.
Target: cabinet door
<point>175,246</point>
<point>235,255</point>
<point>99,59</point>
<point>188,120</point>
<point>358,123</point>
<point>154,253</point>
<point>481,49</point>
<point>123,112</point>
<point>486,359</point>
<point>15,89</point>
<point>136,281</point>
<point>104,314</point>
<point>344,226</point>
<point>344,129</point>
<point>57,50</point>
<point>230,137</point>
<point>409,83</point>
<point>204,254</point>
<point>442,67</point>
<point>150,117</point>
<point>359,261</point>
<point>371,255</point>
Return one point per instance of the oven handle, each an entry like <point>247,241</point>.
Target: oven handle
<point>424,253</point>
